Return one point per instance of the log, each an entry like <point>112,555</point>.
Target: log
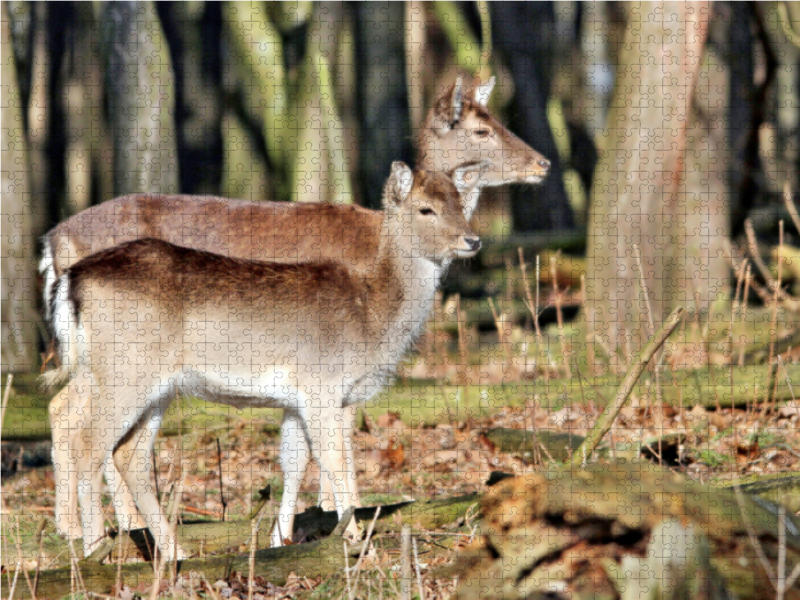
<point>233,536</point>
<point>588,528</point>
<point>320,558</point>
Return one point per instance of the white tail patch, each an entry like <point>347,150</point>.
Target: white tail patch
<point>48,271</point>
<point>66,329</point>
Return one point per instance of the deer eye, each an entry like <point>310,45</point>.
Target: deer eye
<point>483,133</point>
<point>427,211</point>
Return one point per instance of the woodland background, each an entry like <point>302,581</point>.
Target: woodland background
<point>674,132</point>
<point>668,124</point>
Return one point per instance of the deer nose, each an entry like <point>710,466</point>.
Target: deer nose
<point>544,163</point>
<point>474,243</point>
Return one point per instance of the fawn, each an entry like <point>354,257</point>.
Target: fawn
<point>458,130</point>
<point>144,321</point>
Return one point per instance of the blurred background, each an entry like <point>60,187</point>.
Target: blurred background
<point>669,125</point>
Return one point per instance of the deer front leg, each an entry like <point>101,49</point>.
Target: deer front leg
<point>326,491</point>
<point>325,425</point>
<point>293,458</point>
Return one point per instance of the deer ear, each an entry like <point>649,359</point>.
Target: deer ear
<point>457,102</point>
<point>467,177</point>
<point>403,180</point>
<point>483,92</point>
<point>448,108</point>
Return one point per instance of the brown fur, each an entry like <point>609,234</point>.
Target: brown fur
<point>270,231</point>
<point>155,319</point>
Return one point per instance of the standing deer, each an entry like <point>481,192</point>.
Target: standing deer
<point>146,320</point>
<point>458,130</point>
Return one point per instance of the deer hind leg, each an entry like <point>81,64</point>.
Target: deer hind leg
<point>128,516</point>
<point>294,458</point>
<point>133,461</point>
<point>326,491</point>
<point>326,427</point>
<point>63,414</point>
<point>86,451</point>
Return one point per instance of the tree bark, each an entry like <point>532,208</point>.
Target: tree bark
<point>635,199</point>
<point>19,318</point>
<point>523,32</point>
<point>192,33</point>
<point>383,109</point>
<point>141,100</point>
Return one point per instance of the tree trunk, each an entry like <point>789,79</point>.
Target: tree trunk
<point>192,32</point>
<point>19,318</point>
<point>381,79</point>
<point>523,32</point>
<point>637,195</point>
<point>141,98</point>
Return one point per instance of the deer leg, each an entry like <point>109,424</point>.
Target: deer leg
<point>325,427</point>
<point>87,449</point>
<point>128,516</point>
<point>294,458</point>
<point>62,414</point>
<point>133,460</point>
<point>326,491</point>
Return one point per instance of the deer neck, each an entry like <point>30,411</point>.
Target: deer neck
<point>402,281</point>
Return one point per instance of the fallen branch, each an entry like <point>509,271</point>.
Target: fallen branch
<point>609,414</point>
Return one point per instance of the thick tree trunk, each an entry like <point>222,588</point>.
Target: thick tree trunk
<point>383,109</point>
<point>141,99</point>
<point>19,318</point>
<point>188,29</point>
<point>637,196</point>
<point>523,32</point>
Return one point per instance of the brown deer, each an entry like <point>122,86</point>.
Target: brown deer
<point>146,320</point>
<point>458,130</point>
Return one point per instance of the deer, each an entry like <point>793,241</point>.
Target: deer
<point>458,130</point>
<point>146,320</point>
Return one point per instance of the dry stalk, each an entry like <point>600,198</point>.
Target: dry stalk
<point>40,534</point>
<point>360,561</point>
<point>790,205</point>
<point>350,593</point>
<point>753,247</point>
<point>251,563</point>
<point>590,357</point>
<point>747,278</point>
<point>533,308</point>
<point>6,396</point>
<point>501,334</point>
<point>560,318</point>
<point>20,561</point>
<point>405,553</point>
<point>772,380</point>
<point>416,568</point>
<point>751,533</point>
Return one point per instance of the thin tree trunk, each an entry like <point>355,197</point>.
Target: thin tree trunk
<point>642,164</point>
